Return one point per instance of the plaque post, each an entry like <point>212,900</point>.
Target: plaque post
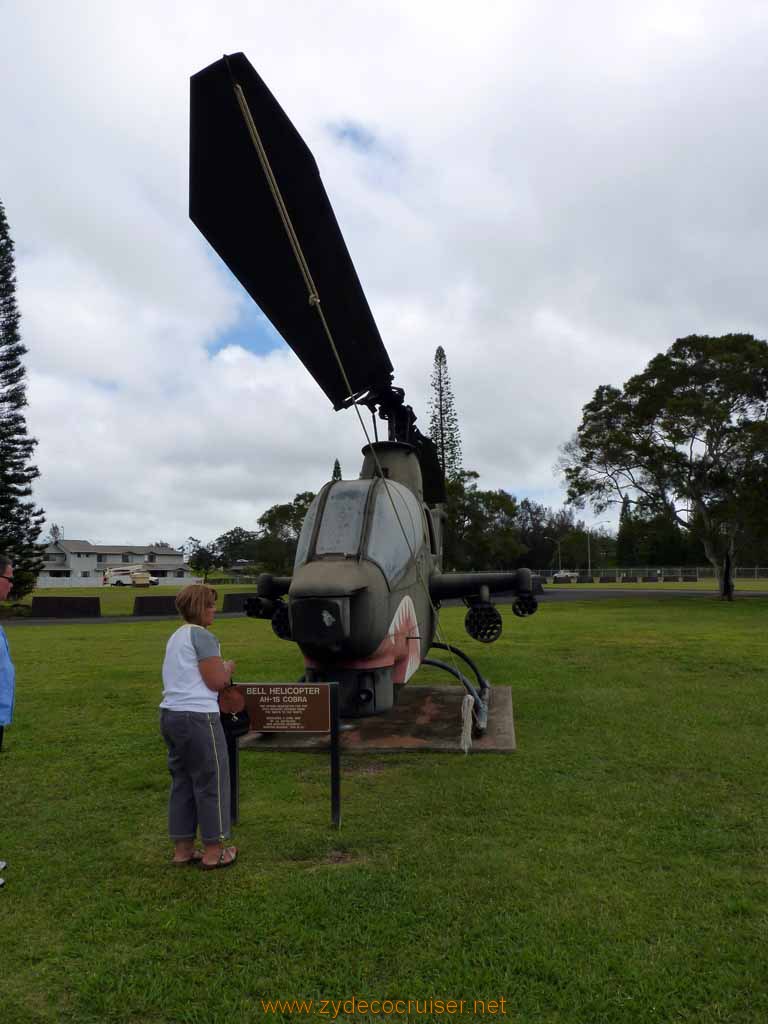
<point>335,765</point>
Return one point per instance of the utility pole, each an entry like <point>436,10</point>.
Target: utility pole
<point>589,552</point>
<point>554,540</point>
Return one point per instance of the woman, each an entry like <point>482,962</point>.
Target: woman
<point>193,675</point>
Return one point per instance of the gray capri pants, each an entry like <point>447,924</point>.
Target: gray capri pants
<point>199,767</point>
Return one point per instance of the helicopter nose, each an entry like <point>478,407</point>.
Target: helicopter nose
<point>319,605</point>
<point>320,621</point>
<point>330,606</point>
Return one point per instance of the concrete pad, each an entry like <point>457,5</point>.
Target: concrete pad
<point>425,718</point>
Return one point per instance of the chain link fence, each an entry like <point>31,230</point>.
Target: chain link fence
<point>656,574</point>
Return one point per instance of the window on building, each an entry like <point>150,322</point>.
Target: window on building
<point>125,558</point>
<point>83,574</point>
<point>101,558</point>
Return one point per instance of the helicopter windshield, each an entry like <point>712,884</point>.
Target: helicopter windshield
<point>391,544</point>
<point>341,526</point>
<point>302,549</point>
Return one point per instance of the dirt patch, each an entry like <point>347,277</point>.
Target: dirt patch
<point>333,858</point>
<point>339,857</point>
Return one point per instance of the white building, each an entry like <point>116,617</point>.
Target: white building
<point>78,563</point>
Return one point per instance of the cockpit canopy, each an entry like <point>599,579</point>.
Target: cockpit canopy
<point>378,520</point>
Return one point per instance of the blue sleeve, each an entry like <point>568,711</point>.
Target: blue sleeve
<point>7,681</point>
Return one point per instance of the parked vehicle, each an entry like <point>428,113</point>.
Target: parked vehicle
<point>563,574</point>
<point>129,577</point>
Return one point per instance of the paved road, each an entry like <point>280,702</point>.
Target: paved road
<point>559,593</point>
<point>107,619</point>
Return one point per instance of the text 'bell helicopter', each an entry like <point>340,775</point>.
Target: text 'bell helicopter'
<point>363,601</point>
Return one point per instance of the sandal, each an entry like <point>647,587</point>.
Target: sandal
<point>196,857</point>
<point>227,858</point>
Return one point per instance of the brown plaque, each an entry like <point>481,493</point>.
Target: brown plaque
<point>288,707</point>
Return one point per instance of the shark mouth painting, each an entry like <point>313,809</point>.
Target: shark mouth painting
<point>403,634</point>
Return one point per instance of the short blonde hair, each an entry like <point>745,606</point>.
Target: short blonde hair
<point>193,600</point>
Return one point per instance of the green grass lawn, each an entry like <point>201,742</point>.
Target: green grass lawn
<point>612,870</point>
<point>710,585</point>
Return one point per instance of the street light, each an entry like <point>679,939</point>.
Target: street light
<point>554,540</point>
<point>589,551</point>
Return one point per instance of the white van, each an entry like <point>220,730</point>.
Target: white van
<point>127,577</point>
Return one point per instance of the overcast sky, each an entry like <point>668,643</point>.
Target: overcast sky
<point>553,192</point>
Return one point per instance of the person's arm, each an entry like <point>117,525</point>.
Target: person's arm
<point>216,672</point>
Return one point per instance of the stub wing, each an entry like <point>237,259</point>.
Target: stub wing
<point>443,586</point>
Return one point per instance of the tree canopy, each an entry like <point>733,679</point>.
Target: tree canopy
<point>686,440</point>
<point>481,527</point>
<point>237,545</point>
<point>269,548</point>
<point>202,557</point>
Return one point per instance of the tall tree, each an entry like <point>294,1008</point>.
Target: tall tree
<point>650,539</point>
<point>626,542</point>
<point>336,475</point>
<point>20,521</point>
<point>685,440</point>
<point>532,522</point>
<point>443,421</point>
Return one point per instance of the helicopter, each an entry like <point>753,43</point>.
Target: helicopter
<point>363,601</point>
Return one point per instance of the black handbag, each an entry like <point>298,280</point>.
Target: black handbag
<point>235,719</point>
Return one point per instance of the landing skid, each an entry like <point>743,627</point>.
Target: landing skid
<point>481,695</point>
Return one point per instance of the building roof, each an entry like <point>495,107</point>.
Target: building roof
<point>113,549</point>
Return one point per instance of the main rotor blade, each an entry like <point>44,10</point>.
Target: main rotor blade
<point>231,203</point>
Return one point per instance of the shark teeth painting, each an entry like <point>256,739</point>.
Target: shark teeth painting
<point>404,635</point>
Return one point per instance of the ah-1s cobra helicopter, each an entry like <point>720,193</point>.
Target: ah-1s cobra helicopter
<point>367,582</point>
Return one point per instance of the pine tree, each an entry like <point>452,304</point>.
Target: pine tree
<point>626,541</point>
<point>20,522</point>
<point>443,421</point>
<point>336,470</point>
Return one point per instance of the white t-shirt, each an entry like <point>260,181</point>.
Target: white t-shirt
<point>183,687</point>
